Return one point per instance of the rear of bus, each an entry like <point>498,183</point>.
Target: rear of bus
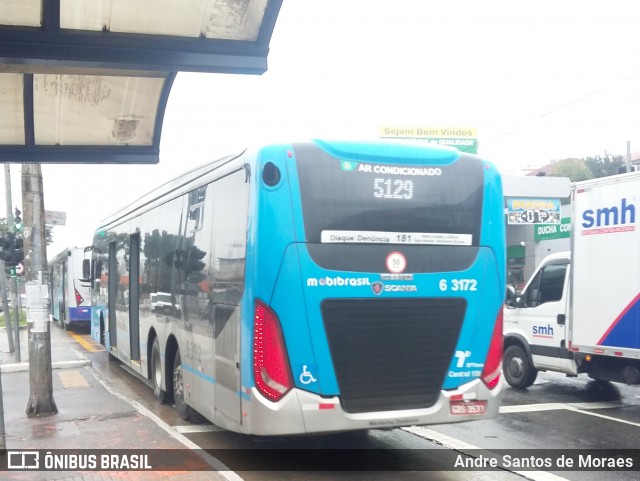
<point>79,289</point>
<point>376,276</point>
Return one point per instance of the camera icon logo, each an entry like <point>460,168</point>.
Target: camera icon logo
<point>20,460</point>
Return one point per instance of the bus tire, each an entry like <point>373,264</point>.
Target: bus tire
<point>178,389</point>
<point>62,316</point>
<point>518,370</point>
<point>157,368</point>
<point>103,333</point>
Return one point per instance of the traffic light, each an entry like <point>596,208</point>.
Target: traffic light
<point>3,247</point>
<point>194,260</point>
<point>8,246</point>
<point>12,252</point>
<point>188,261</point>
<point>18,253</point>
<point>17,221</point>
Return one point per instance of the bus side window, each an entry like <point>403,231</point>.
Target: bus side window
<point>97,272</point>
<point>86,269</point>
<point>196,208</point>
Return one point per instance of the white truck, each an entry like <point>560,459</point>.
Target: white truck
<point>580,311</point>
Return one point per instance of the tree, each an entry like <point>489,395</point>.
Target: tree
<point>603,166</point>
<point>575,169</point>
<point>3,226</point>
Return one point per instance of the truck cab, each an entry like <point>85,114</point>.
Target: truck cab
<point>535,324</point>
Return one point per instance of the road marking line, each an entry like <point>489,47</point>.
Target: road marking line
<point>459,445</point>
<point>72,379</point>
<point>583,408</point>
<point>87,345</point>
<point>531,408</point>
<point>447,441</point>
<point>608,418</point>
<point>597,405</point>
<point>198,428</point>
<point>526,408</point>
<point>220,467</point>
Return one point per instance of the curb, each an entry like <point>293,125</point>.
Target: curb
<point>24,366</point>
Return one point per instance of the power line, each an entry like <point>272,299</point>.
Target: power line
<point>570,103</point>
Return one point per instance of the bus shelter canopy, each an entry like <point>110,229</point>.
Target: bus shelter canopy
<point>87,81</point>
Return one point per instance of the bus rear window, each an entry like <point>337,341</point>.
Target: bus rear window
<point>348,201</point>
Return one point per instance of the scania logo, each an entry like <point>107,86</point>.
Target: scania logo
<point>379,287</point>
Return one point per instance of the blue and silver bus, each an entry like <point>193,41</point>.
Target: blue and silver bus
<point>69,279</point>
<point>312,287</point>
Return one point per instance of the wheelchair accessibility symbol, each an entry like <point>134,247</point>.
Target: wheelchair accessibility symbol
<point>306,377</point>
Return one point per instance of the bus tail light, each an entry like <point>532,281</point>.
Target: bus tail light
<point>270,361</point>
<point>79,298</point>
<point>493,363</point>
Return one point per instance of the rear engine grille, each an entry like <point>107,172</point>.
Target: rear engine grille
<point>391,354</point>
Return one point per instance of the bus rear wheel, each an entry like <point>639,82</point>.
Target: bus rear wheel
<point>178,390</point>
<point>157,368</point>
<point>518,371</point>
<point>103,334</point>
<point>63,316</point>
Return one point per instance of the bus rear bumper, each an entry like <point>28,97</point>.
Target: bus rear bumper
<point>80,314</point>
<point>302,412</point>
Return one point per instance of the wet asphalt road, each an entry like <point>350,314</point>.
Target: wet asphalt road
<point>556,413</point>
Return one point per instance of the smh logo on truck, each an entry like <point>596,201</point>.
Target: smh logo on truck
<point>606,220</point>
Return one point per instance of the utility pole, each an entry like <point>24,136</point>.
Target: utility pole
<point>3,438</point>
<point>5,305</point>
<point>3,275</point>
<point>41,401</point>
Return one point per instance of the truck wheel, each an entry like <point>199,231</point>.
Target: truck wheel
<point>517,369</point>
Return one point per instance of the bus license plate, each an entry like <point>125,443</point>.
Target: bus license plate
<point>468,407</point>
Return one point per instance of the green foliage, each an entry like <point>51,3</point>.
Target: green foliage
<point>22,316</point>
<point>589,168</point>
<point>603,166</point>
<point>575,169</point>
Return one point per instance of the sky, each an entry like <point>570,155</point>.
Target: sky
<point>540,80</point>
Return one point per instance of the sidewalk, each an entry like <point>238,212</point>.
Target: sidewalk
<point>91,416</point>
<point>64,354</point>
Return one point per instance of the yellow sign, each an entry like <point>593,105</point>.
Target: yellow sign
<point>400,132</point>
<point>462,138</point>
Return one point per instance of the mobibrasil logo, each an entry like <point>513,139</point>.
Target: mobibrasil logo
<point>338,281</point>
<point>606,220</point>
